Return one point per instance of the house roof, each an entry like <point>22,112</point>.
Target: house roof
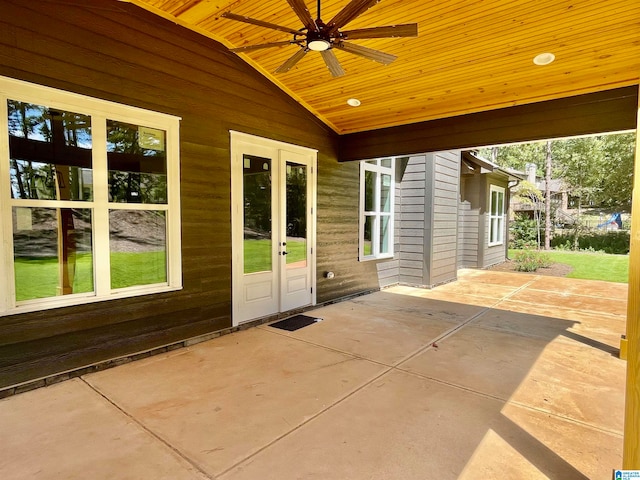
<point>470,56</point>
<point>478,164</point>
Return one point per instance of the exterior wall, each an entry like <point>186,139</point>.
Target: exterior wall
<point>445,183</point>
<point>497,253</point>
<point>473,222</point>
<point>412,199</point>
<point>428,198</point>
<point>389,270</point>
<point>468,222</point>
<point>116,51</point>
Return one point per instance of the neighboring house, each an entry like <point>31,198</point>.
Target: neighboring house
<point>156,190</point>
<point>559,192</point>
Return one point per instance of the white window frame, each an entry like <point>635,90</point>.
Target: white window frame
<point>496,221</point>
<point>100,111</point>
<point>376,214</point>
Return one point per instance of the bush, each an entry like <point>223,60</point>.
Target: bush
<point>531,260</point>
<point>616,242</point>
<point>523,233</point>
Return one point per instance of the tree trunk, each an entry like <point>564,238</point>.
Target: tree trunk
<point>547,199</point>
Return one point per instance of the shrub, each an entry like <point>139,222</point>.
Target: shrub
<point>531,260</point>
<point>616,242</point>
<point>523,232</point>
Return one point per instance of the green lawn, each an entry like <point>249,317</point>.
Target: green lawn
<point>38,277</point>
<point>257,254</point>
<point>592,266</point>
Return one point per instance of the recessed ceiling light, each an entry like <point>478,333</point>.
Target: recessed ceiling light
<point>544,58</point>
<point>354,102</point>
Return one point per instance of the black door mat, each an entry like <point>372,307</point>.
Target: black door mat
<point>294,323</point>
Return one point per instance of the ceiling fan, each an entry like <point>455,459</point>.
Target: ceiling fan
<point>324,37</point>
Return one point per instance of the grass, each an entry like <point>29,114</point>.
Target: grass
<point>257,254</point>
<point>592,266</point>
<point>38,277</point>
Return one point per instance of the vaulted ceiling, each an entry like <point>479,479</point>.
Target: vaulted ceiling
<point>469,56</point>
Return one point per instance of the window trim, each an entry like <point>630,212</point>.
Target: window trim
<point>377,214</point>
<point>100,111</point>
<point>498,218</point>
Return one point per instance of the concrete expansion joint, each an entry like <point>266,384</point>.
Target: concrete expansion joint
<point>310,419</point>
<point>201,470</point>
<point>609,431</point>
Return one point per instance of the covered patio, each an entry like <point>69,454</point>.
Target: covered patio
<point>497,375</point>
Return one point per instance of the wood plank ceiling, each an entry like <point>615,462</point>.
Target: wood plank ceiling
<point>470,55</point>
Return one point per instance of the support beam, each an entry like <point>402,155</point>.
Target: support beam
<point>631,454</point>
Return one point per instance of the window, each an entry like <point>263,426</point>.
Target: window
<point>496,216</point>
<point>376,208</point>
<point>89,192</point>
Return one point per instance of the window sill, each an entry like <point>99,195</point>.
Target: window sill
<point>379,257</point>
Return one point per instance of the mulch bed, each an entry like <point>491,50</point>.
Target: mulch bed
<point>554,270</point>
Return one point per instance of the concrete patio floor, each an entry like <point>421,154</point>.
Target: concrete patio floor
<point>497,375</point>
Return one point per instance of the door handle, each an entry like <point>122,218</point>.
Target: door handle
<point>284,253</point>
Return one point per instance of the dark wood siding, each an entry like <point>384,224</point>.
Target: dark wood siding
<point>337,242</point>
<point>607,111</point>
<point>119,52</point>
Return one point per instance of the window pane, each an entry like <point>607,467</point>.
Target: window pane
<point>500,201</point>
<point>138,247</point>
<point>296,215</point>
<point>137,161</point>
<point>492,231</point>
<point>49,152</point>
<point>52,251</point>
<point>369,191</point>
<point>368,236</point>
<point>257,214</point>
<point>386,162</point>
<point>385,193</point>
<point>385,234</point>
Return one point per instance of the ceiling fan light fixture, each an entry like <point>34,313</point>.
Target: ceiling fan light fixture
<point>544,58</point>
<point>318,45</point>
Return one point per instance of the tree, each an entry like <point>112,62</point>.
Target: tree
<point>529,194</point>
<point>547,196</point>
<point>616,183</point>
<point>516,156</point>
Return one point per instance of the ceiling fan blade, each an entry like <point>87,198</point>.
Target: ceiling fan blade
<point>348,13</point>
<point>332,63</point>
<point>295,58</point>
<point>262,45</point>
<point>370,53</point>
<point>390,31</point>
<point>253,21</point>
<point>303,14</point>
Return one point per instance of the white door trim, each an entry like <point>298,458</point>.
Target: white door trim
<point>242,143</point>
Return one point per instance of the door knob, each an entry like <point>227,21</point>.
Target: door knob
<point>284,253</point>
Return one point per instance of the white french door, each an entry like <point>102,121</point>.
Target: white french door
<point>273,226</point>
